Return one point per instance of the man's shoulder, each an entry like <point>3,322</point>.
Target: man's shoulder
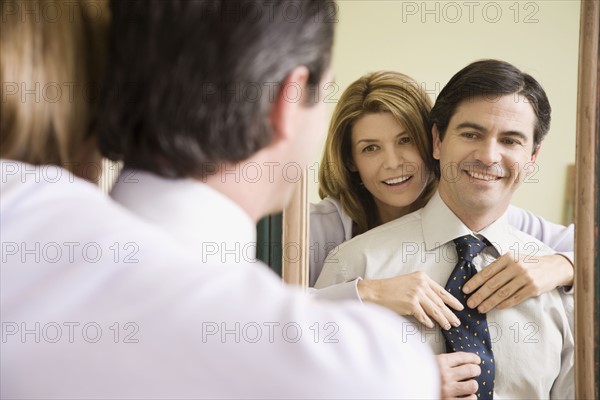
<point>406,228</point>
<point>403,226</point>
<point>522,242</point>
<point>64,211</point>
<point>42,192</point>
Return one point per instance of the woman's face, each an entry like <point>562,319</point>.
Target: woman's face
<point>388,163</point>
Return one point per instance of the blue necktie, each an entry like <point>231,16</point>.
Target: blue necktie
<point>472,335</point>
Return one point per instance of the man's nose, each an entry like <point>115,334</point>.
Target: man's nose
<point>488,152</point>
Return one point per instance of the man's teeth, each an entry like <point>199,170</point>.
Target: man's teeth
<point>395,181</point>
<point>483,176</point>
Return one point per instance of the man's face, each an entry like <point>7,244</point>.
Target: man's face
<point>310,125</point>
<point>313,120</point>
<point>485,154</point>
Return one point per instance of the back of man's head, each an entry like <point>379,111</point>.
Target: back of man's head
<point>191,83</point>
<point>491,79</point>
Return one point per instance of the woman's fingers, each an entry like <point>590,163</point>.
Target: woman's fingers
<point>495,290</point>
<point>432,299</point>
<point>487,273</point>
<point>421,315</point>
<point>437,312</point>
<point>416,294</point>
<point>520,296</point>
<point>507,291</point>
<point>512,279</point>
<point>445,296</point>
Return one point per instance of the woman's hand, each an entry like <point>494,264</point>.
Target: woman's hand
<point>457,372</point>
<point>510,280</point>
<point>413,294</point>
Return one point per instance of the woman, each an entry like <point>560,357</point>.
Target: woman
<point>47,112</point>
<point>378,166</point>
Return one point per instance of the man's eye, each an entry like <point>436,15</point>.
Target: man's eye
<point>511,141</point>
<point>469,135</point>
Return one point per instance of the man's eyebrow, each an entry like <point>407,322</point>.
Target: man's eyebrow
<point>472,125</point>
<point>477,127</point>
<point>518,134</point>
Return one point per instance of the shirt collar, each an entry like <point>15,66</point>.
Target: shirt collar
<point>190,210</point>
<point>441,225</point>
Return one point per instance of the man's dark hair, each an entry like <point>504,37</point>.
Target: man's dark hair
<point>491,79</point>
<point>190,84</point>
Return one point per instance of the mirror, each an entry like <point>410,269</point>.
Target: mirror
<point>430,41</point>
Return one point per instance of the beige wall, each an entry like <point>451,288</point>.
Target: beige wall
<point>542,39</point>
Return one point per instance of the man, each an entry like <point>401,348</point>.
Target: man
<point>488,125</point>
<point>208,134</point>
<point>98,303</point>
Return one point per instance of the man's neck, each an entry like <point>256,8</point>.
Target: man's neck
<point>254,196</point>
<point>473,219</point>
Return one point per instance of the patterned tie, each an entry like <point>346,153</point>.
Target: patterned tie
<point>472,335</point>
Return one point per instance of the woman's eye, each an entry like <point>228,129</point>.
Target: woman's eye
<point>369,149</point>
<point>405,140</point>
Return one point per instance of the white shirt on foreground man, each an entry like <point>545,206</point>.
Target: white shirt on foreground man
<point>194,214</point>
<point>97,303</point>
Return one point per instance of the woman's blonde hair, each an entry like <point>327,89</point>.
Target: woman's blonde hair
<point>383,91</point>
<point>52,60</point>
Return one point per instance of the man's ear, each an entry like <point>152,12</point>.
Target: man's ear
<point>286,110</point>
<point>436,142</point>
<point>536,152</point>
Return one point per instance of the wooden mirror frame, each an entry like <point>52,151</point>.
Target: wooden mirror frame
<point>296,228</point>
<point>294,237</point>
<point>586,207</point>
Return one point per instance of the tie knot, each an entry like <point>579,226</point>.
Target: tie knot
<point>467,247</point>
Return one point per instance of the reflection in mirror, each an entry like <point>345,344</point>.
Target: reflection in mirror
<point>446,38</point>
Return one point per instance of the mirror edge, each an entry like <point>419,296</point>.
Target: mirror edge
<point>586,217</point>
<point>294,240</point>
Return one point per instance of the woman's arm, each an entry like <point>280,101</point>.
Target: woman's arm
<point>329,227</point>
<point>413,294</point>
<point>514,278</point>
<point>559,237</point>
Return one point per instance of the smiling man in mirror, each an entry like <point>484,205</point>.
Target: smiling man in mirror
<point>488,124</point>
